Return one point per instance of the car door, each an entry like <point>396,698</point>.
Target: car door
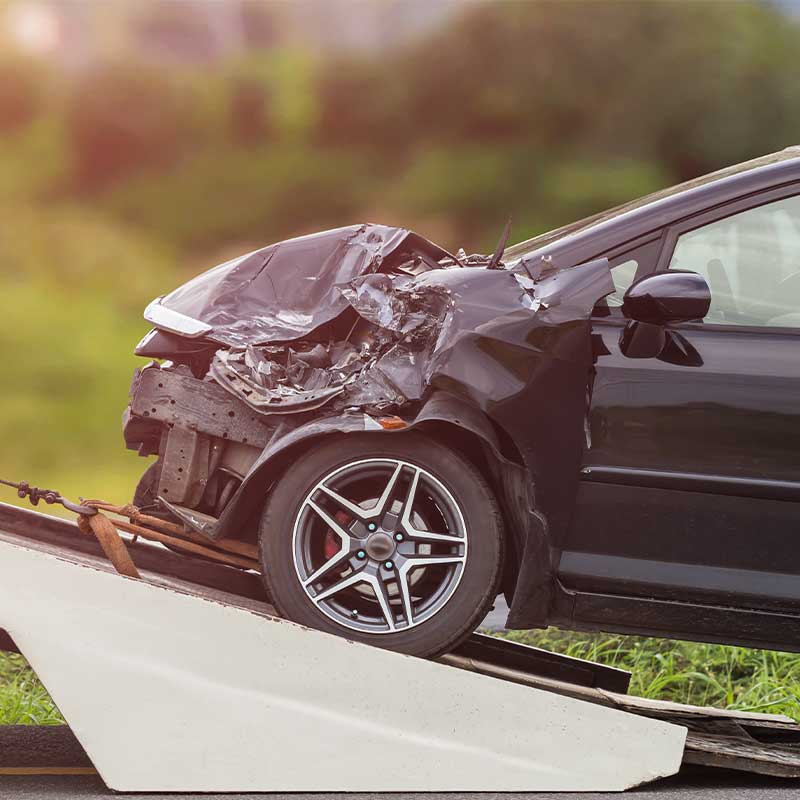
<point>691,479</point>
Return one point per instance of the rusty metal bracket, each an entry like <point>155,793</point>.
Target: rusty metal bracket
<point>107,531</point>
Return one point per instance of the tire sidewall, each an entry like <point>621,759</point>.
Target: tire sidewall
<point>477,586</point>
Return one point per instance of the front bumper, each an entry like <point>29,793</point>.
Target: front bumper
<point>141,433</point>
<point>165,397</point>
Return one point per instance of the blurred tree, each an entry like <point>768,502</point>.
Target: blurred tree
<point>251,196</point>
<point>34,161</point>
<point>21,91</point>
<point>123,117</point>
<point>542,111</point>
<point>688,85</point>
<point>580,106</point>
<point>178,32</point>
<point>249,111</point>
<point>259,24</point>
<point>361,104</point>
<point>476,188</point>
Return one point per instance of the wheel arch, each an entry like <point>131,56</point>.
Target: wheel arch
<point>448,419</point>
<point>503,474</point>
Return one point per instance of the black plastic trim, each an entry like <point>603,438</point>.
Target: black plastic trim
<point>687,621</point>
<point>647,577</point>
<point>759,488</point>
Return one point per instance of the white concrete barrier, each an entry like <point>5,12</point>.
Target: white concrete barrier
<point>174,691</point>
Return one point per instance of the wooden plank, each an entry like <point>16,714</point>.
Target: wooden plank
<point>48,771</point>
<point>742,754</point>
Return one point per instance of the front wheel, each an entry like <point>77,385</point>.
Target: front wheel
<point>389,539</point>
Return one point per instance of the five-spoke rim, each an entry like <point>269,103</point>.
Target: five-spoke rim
<point>379,545</point>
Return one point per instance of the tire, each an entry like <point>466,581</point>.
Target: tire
<point>448,556</point>
<point>146,493</point>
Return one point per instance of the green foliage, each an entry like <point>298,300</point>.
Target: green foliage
<point>76,251</point>
<point>290,75</point>
<point>122,117</point>
<point>22,89</point>
<point>67,369</point>
<point>33,161</point>
<point>540,111</point>
<point>23,699</point>
<point>469,184</point>
<point>579,188</point>
<point>687,672</point>
<point>73,291</point>
<point>256,195</point>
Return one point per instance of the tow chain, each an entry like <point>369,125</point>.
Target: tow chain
<point>92,522</point>
<point>50,496</point>
<point>89,522</point>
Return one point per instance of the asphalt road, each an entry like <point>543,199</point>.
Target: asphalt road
<point>55,747</point>
<point>692,786</point>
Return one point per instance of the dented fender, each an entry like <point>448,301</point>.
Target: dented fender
<point>274,459</point>
<point>324,334</point>
<point>527,589</point>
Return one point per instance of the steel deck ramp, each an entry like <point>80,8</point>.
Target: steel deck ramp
<point>187,680</point>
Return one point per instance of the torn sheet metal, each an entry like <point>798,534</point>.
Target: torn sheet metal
<point>282,379</point>
<point>286,290</point>
<point>514,346</point>
<point>528,371</point>
<point>417,321</point>
<point>385,369</point>
<point>322,331</point>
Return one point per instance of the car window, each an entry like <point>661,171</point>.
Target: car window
<point>626,266</point>
<point>751,261</point>
<point>623,275</point>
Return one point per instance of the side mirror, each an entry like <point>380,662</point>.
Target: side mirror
<point>662,298</point>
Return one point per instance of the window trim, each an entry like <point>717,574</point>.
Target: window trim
<point>764,330</point>
<point>673,231</point>
<point>623,249</point>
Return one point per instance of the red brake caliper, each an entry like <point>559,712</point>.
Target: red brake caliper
<point>333,544</point>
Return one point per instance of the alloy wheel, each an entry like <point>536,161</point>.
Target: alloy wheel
<point>379,545</point>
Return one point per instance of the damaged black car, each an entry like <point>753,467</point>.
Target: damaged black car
<point>600,423</point>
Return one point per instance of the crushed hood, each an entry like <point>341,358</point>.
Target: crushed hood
<point>287,290</point>
<point>421,319</point>
<point>348,324</point>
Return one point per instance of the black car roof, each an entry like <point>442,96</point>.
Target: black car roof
<point>596,234</point>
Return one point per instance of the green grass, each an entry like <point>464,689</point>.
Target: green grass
<point>23,699</point>
<point>685,672</point>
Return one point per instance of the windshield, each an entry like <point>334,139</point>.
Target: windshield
<point>543,239</point>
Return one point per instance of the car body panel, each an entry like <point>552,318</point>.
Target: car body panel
<point>653,488</point>
<point>691,485</point>
<point>288,289</point>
